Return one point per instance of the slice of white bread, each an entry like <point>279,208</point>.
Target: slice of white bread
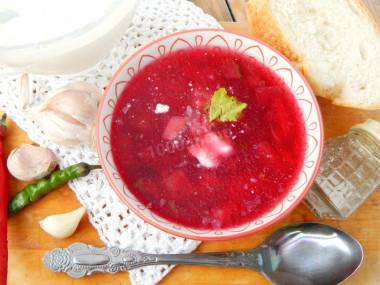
<point>335,44</point>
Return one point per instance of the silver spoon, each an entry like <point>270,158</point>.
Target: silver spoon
<point>305,253</point>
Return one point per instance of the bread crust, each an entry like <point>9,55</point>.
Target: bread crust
<point>263,25</point>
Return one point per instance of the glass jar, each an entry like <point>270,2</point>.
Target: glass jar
<point>349,172</point>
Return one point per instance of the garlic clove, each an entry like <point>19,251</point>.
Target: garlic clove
<point>91,89</point>
<point>63,129</point>
<point>80,86</point>
<point>69,113</point>
<point>65,100</point>
<point>24,91</point>
<point>29,162</point>
<point>62,225</point>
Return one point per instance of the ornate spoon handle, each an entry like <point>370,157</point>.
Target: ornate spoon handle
<point>80,259</point>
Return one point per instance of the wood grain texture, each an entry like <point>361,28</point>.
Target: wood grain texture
<point>238,9</point>
<point>374,7</point>
<point>217,8</point>
<point>28,242</point>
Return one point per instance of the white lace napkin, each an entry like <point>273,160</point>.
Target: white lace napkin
<point>115,223</point>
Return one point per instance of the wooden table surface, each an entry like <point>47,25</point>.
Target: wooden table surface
<point>28,243</point>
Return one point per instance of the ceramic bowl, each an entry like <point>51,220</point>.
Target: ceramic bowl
<point>49,38</point>
<point>241,43</point>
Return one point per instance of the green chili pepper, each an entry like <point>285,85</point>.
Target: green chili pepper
<point>33,192</point>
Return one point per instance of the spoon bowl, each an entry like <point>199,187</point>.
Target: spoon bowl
<point>309,253</point>
<point>305,253</point>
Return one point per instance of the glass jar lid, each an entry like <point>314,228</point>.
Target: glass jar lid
<point>370,126</point>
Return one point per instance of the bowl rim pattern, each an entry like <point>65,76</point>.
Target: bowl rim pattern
<point>242,43</point>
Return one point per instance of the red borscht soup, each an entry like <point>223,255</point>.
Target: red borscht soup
<point>200,173</point>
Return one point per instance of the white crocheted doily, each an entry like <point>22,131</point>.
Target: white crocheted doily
<point>115,224</point>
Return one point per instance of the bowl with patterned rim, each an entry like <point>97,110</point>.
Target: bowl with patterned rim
<point>162,183</point>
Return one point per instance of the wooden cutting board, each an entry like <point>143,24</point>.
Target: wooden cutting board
<point>28,243</point>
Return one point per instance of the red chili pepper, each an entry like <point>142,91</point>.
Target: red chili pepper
<point>3,206</point>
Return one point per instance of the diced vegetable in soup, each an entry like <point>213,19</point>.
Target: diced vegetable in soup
<point>208,138</point>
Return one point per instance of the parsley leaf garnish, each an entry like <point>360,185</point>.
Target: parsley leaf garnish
<point>224,107</point>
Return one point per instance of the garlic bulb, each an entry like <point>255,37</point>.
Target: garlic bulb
<point>29,162</point>
<point>68,115</point>
<point>62,225</point>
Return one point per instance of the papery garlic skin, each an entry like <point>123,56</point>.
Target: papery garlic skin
<point>63,129</point>
<point>29,162</point>
<point>62,225</point>
<point>69,113</point>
